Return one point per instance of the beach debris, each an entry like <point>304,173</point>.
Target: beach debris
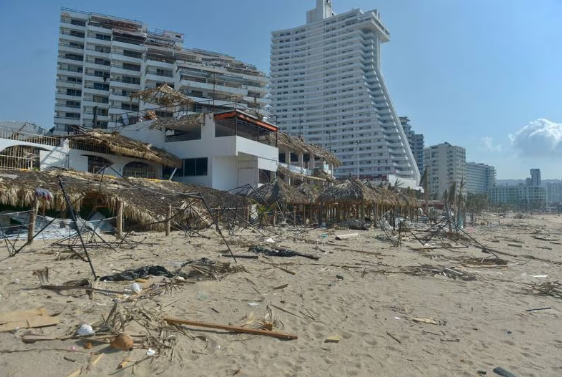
<point>428,321</point>
<point>43,275</point>
<point>269,240</point>
<point>341,237</point>
<point>339,277</point>
<point>393,337</point>
<point>139,273</point>
<point>253,304</point>
<point>150,352</point>
<point>85,330</point>
<point>280,252</point>
<point>136,288</point>
<point>553,289</point>
<point>239,256</point>
<point>537,309</point>
<point>238,329</point>
<point>26,319</point>
<point>515,245</point>
<point>332,339</point>
<point>281,286</point>
<point>122,342</point>
<point>502,372</point>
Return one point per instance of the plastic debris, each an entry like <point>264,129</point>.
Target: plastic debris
<point>254,304</point>
<point>150,352</point>
<point>85,330</point>
<point>135,288</point>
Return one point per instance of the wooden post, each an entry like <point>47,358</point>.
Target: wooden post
<point>169,221</point>
<point>119,219</point>
<point>32,219</point>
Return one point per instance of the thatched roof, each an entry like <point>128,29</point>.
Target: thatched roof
<point>144,200</point>
<point>280,192</point>
<point>297,144</point>
<point>163,96</point>
<point>310,192</point>
<point>115,143</point>
<point>183,123</point>
<point>349,191</point>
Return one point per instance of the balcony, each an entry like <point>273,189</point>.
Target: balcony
<point>96,54</point>
<point>124,85</point>
<point>71,49</point>
<point>126,59</point>
<point>66,109</point>
<point>70,38</point>
<point>129,46</point>
<point>96,66</point>
<point>94,40</point>
<point>123,71</point>
<point>99,92</point>
<point>68,84</point>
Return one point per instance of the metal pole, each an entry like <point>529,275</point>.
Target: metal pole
<point>73,215</point>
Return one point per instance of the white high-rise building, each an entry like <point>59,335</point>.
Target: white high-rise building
<point>480,178</point>
<point>103,59</point>
<point>327,85</point>
<point>445,164</point>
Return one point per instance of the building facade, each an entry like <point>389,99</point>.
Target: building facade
<point>480,178</point>
<point>327,86</point>
<point>445,164</point>
<point>554,192</point>
<point>535,177</point>
<point>522,197</point>
<point>416,142</point>
<point>102,60</point>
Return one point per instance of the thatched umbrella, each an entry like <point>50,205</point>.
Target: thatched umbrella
<point>348,195</point>
<point>141,200</point>
<point>163,96</point>
<point>299,145</point>
<point>278,194</point>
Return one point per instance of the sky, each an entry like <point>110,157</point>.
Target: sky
<point>482,74</point>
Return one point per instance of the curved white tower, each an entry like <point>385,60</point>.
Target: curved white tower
<point>326,85</point>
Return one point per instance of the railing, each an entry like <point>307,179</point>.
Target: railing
<point>9,134</point>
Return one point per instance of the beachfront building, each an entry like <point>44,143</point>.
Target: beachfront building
<point>327,86</point>
<point>554,192</point>
<point>520,197</point>
<point>416,142</point>
<point>103,60</point>
<point>445,164</point>
<point>90,151</point>
<point>480,178</point>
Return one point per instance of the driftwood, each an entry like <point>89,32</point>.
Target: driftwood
<point>176,321</point>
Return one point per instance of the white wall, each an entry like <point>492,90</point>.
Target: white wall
<point>225,173</point>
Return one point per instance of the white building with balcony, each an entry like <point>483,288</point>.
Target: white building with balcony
<point>327,86</point>
<point>102,60</point>
<point>445,164</point>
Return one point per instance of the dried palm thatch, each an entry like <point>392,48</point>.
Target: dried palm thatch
<point>350,191</point>
<point>163,96</point>
<point>278,192</point>
<point>144,201</point>
<point>310,192</point>
<point>183,123</point>
<point>297,144</point>
<point>115,143</point>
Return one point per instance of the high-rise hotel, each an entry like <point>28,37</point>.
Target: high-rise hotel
<point>327,85</point>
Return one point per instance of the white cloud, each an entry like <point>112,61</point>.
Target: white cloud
<point>539,138</point>
<point>488,144</point>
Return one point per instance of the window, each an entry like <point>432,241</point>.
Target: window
<point>72,115</point>
<point>103,37</point>
<point>73,92</point>
<point>102,61</point>
<point>74,79</point>
<point>132,54</point>
<point>73,104</point>
<point>104,49</point>
<point>77,34</point>
<point>100,99</point>
<point>193,167</point>
<point>164,72</point>
<point>128,106</point>
<point>131,67</point>
<point>78,22</point>
<point>101,74</point>
<point>131,80</point>
<point>99,86</point>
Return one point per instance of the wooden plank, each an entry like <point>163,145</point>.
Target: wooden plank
<point>346,236</point>
<point>230,328</point>
<point>26,320</point>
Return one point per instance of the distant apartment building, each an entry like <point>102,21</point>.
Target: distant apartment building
<point>521,197</point>
<point>445,164</point>
<point>480,178</point>
<point>416,142</point>
<point>102,60</point>
<point>327,86</point>
<point>554,192</point>
<point>535,177</point>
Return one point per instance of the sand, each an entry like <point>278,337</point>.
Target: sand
<point>363,299</point>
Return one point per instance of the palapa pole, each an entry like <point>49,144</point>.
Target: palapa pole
<point>73,215</point>
<point>119,219</point>
<point>169,221</point>
<point>32,219</point>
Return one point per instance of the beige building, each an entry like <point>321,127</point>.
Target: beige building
<point>445,164</point>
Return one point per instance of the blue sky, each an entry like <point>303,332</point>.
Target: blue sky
<point>482,74</point>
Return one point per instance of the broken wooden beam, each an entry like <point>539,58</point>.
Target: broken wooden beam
<point>245,330</point>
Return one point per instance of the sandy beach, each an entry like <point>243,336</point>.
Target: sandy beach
<point>365,308</point>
